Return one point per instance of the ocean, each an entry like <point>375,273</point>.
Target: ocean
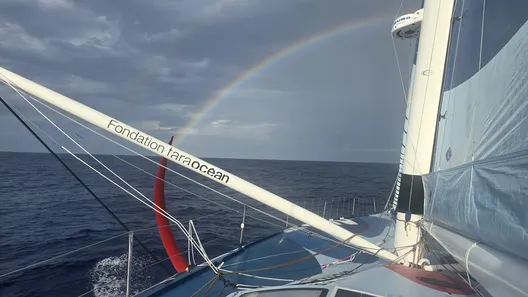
<point>45,213</point>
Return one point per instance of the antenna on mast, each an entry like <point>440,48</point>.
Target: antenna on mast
<point>408,26</point>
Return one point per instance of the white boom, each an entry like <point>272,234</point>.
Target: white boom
<point>188,161</point>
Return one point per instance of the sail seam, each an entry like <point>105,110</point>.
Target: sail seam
<point>490,160</point>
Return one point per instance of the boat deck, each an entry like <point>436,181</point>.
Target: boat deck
<point>297,256</point>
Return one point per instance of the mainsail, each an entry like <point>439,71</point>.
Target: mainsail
<point>476,196</point>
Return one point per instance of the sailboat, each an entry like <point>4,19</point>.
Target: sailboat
<point>457,224</point>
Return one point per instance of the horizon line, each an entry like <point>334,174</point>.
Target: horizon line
<point>221,158</point>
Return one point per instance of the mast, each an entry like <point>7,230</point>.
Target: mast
<point>423,103</point>
<point>190,162</point>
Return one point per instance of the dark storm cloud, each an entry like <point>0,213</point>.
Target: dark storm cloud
<point>154,64</point>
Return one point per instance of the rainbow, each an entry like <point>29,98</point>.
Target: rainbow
<point>268,61</point>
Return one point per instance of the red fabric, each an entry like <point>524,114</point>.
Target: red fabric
<point>453,285</point>
<point>177,259</point>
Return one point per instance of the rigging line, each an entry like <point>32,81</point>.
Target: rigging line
<point>79,180</point>
<point>202,252</point>
<point>60,256</point>
<point>390,194</point>
<point>173,219</point>
<point>155,285</point>
<point>182,228</point>
<point>86,293</point>
<point>309,280</point>
<point>181,253</point>
<point>168,216</point>
<point>411,54</point>
<point>281,254</point>
<point>439,254</point>
<point>347,272</point>
<point>223,289</point>
<point>205,285</point>
<point>212,285</point>
<point>193,229</point>
<point>169,169</point>
<point>397,59</point>
<point>449,96</point>
<point>270,256</point>
<point>471,141</point>
<point>259,277</point>
<point>131,150</point>
<point>399,70</point>
<point>192,193</point>
<point>300,259</point>
<point>185,222</point>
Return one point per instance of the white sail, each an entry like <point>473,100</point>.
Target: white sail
<point>478,187</point>
<point>189,161</point>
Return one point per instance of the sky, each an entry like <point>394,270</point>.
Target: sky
<point>260,79</point>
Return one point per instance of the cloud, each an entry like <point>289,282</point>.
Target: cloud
<point>174,71</point>
<point>14,37</point>
<point>57,28</point>
<point>223,7</point>
<point>236,129</point>
<point>156,64</point>
<point>170,35</point>
<point>176,109</point>
<point>154,125</point>
<point>76,84</point>
<point>103,35</point>
<point>227,129</point>
<point>198,65</point>
<point>61,4</point>
<point>45,4</point>
<point>207,11</point>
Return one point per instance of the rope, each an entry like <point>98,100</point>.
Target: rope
<point>211,286</point>
<point>171,170</point>
<point>167,168</point>
<point>438,254</point>
<point>161,211</point>
<point>398,60</point>
<point>79,180</point>
<point>194,194</point>
<point>298,260</point>
<point>184,222</point>
<point>202,252</point>
<point>205,285</point>
<point>60,256</point>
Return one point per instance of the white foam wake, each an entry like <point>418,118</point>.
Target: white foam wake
<point>109,276</point>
